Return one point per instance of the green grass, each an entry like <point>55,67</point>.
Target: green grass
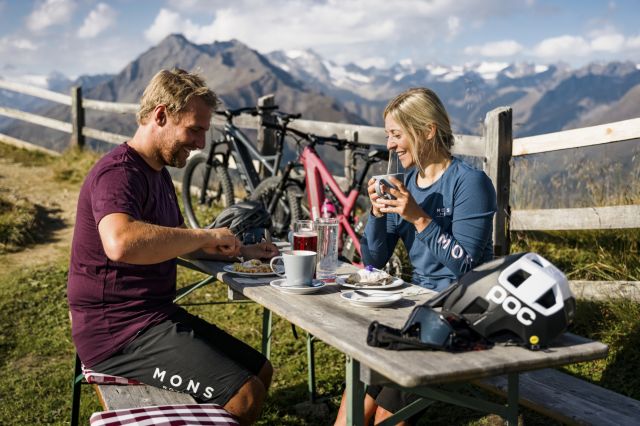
<point>18,222</point>
<point>73,165</point>
<point>607,255</point>
<point>24,157</point>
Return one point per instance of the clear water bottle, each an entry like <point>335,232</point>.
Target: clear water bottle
<point>328,209</point>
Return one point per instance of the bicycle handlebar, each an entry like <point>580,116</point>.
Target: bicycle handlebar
<point>284,119</point>
<point>286,116</point>
<point>314,139</point>
<point>230,113</point>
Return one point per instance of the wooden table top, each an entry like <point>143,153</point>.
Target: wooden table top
<point>344,326</point>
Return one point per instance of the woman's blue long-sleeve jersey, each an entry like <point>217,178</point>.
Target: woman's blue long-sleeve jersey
<point>461,204</point>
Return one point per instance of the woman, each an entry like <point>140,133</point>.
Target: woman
<point>443,212</point>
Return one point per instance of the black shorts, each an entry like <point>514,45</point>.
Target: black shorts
<point>187,354</point>
<point>393,400</point>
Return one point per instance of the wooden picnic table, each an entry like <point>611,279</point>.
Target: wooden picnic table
<point>344,326</point>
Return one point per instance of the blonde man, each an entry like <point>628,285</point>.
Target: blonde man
<point>122,275</point>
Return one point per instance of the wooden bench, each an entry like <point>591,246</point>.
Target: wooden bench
<point>568,399</point>
<point>115,397</point>
<point>141,404</point>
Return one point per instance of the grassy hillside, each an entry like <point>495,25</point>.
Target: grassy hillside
<point>36,351</point>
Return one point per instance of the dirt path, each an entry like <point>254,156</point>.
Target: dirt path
<point>57,201</point>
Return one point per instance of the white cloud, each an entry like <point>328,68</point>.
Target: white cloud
<point>168,22</point>
<point>596,43</point>
<point>495,49</point>
<point>608,43</point>
<point>563,46</point>
<point>16,43</point>
<point>453,24</point>
<point>350,30</point>
<point>50,12</point>
<point>98,20</point>
<point>311,27</point>
<point>633,42</point>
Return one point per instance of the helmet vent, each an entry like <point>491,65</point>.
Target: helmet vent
<point>479,306</point>
<point>548,299</point>
<point>518,277</point>
<point>536,261</point>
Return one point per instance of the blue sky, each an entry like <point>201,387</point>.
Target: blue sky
<point>77,37</point>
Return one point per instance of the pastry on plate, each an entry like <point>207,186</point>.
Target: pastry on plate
<point>369,276</point>
<point>253,266</point>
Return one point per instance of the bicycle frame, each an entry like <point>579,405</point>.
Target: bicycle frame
<point>317,177</point>
<point>244,153</point>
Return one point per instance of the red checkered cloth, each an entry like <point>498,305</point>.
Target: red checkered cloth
<point>104,379</point>
<point>166,415</point>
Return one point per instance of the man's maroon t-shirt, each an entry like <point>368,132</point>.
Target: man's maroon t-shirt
<point>111,302</point>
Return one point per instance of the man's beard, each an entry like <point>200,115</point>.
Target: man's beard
<point>175,160</point>
<point>171,156</point>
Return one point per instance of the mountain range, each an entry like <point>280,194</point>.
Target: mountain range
<point>544,98</point>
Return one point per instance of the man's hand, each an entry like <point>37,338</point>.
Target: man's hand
<point>259,251</point>
<point>222,241</point>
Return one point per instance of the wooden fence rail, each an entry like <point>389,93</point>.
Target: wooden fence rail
<point>497,147</point>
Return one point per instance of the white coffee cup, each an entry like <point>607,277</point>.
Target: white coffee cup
<point>299,267</point>
<point>386,181</point>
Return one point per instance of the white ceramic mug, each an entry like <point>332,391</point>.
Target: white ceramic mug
<point>384,180</point>
<point>299,267</point>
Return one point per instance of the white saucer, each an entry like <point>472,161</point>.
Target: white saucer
<point>315,286</point>
<point>371,298</point>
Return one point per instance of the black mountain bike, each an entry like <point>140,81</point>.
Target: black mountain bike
<point>207,179</point>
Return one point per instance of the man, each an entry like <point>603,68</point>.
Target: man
<point>122,275</point>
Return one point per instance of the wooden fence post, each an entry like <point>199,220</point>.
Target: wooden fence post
<point>349,161</point>
<point>266,142</point>
<point>77,118</point>
<point>498,148</point>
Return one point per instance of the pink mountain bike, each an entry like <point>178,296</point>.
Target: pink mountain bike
<point>351,207</point>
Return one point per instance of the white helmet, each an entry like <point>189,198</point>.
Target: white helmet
<point>521,296</point>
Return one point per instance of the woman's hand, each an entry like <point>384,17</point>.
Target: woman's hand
<point>374,197</point>
<point>404,205</point>
<point>259,251</point>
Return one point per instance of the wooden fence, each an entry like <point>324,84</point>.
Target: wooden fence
<point>497,147</point>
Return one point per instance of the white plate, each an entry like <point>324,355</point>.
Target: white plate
<point>373,298</point>
<point>315,286</point>
<point>397,282</point>
<point>229,269</point>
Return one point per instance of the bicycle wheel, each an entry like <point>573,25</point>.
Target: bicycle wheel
<point>205,190</point>
<point>287,209</point>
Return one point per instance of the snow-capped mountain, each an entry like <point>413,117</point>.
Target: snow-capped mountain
<point>544,98</point>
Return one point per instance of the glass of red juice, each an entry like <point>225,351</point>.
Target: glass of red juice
<point>305,236</point>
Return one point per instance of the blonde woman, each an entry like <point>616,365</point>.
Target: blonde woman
<point>443,212</point>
